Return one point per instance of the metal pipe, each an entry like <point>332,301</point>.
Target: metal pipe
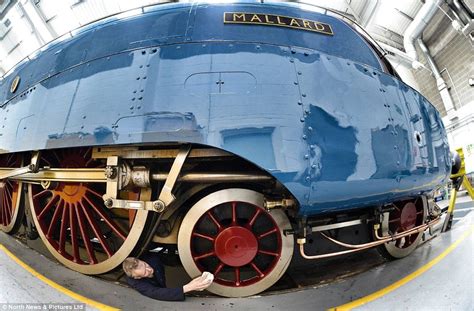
<point>452,83</point>
<point>359,247</point>
<point>461,11</point>
<point>442,86</point>
<point>415,29</point>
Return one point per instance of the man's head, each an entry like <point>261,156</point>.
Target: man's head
<point>136,268</point>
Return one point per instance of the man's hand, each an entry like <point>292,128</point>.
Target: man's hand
<point>200,283</point>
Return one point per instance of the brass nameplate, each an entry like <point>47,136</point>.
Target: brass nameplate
<point>277,20</point>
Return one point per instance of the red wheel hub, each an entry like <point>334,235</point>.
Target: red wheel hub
<point>240,247</point>
<point>408,216</point>
<point>236,246</point>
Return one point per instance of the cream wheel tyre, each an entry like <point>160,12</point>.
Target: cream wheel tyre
<point>231,235</point>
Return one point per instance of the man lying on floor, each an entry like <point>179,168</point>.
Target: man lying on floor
<point>147,276</point>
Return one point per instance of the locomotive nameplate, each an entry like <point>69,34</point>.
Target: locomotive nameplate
<point>277,20</point>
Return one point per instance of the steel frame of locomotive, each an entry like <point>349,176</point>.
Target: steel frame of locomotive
<point>231,131</point>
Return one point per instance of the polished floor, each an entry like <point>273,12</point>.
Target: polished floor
<point>439,275</point>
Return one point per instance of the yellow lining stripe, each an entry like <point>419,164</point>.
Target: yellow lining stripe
<point>55,285</point>
<point>408,278</point>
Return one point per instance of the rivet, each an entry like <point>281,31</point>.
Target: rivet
<point>306,156</point>
<point>299,72</point>
<point>310,128</point>
<point>296,83</point>
<point>143,52</point>
<point>395,147</point>
<point>131,107</point>
<point>302,119</point>
<point>84,117</point>
<point>292,60</point>
<point>140,98</point>
<point>308,178</point>
<point>293,52</point>
<point>304,95</point>
<point>304,137</point>
<point>313,166</point>
<point>300,103</point>
<point>311,146</point>
<point>306,54</point>
<point>138,78</point>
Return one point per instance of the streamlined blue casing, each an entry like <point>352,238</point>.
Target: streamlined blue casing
<point>317,111</point>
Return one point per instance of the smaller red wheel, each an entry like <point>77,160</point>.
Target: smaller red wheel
<point>405,216</point>
<point>231,235</point>
<point>11,211</point>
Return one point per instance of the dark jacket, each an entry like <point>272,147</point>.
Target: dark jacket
<point>155,287</point>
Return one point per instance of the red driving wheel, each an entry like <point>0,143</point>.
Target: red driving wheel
<point>11,211</point>
<point>73,221</point>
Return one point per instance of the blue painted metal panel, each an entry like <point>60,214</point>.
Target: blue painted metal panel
<point>315,111</point>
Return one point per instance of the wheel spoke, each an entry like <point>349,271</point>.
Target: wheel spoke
<point>48,206</point>
<point>2,211</point>
<point>95,228</point>
<point>54,220</point>
<point>207,237</point>
<point>74,241</point>
<point>218,269</point>
<point>7,209</point>
<point>271,231</point>
<point>261,251</point>
<point>254,217</point>
<point>237,276</point>
<point>107,220</point>
<point>85,235</point>
<point>95,193</point>
<point>63,230</point>
<point>234,213</point>
<point>212,253</point>
<point>41,194</point>
<point>254,266</point>
<point>214,220</point>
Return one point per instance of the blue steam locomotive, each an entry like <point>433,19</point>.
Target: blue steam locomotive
<point>228,131</point>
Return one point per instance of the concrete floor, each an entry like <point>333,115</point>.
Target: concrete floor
<point>448,285</point>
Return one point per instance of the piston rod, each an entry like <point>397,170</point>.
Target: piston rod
<point>97,175</point>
